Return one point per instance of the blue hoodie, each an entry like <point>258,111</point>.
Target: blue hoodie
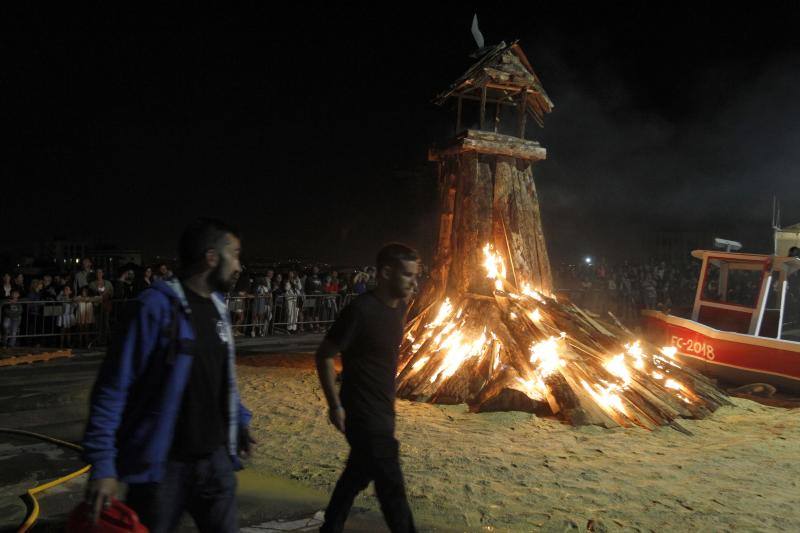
<point>138,393</point>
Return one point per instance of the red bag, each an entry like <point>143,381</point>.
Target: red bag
<point>118,518</point>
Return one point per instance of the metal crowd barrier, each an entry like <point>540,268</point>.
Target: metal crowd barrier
<point>253,317</point>
<point>77,323</point>
<point>88,322</point>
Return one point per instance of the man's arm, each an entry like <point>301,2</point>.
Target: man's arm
<point>327,379</point>
<point>245,441</point>
<point>109,397</point>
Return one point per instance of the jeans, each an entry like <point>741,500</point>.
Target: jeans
<point>206,488</point>
<point>11,330</point>
<point>372,457</point>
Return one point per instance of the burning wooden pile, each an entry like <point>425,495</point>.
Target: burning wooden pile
<point>526,351</point>
<point>481,334</point>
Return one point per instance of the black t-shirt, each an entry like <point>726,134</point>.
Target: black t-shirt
<point>201,425</point>
<point>368,333</point>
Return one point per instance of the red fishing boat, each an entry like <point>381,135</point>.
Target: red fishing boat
<point>744,326</point>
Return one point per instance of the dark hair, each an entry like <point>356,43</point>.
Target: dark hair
<point>393,254</point>
<point>794,251</point>
<point>200,236</point>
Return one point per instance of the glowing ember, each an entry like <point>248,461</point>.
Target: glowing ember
<point>535,315</point>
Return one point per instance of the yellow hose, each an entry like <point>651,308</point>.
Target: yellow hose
<point>33,513</point>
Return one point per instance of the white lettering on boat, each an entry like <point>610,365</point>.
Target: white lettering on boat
<point>694,347</point>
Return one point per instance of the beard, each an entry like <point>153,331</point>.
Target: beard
<point>218,281</point>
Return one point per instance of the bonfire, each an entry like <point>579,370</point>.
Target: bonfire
<point>487,329</point>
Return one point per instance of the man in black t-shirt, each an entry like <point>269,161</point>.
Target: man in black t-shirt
<point>368,335</point>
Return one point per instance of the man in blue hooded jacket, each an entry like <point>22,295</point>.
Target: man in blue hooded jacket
<point>165,416</point>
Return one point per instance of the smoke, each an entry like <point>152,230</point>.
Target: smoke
<point>621,166</point>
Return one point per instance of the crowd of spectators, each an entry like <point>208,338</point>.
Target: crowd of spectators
<point>626,288</point>
<point>68,309</point>
<point>294,300</point>
<point>79,308</point>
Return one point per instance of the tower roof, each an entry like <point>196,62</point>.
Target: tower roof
<point>506,72</point>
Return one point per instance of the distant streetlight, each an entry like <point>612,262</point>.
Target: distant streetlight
<point>588,260</point>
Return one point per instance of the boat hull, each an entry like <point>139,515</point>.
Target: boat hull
<point>731,357</point>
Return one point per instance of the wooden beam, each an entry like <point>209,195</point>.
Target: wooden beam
<point>509,102</point>
<point>483,108</point>
<point>523,116</point>
<point>458,116</point>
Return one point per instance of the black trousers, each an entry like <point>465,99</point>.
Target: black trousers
<point>206,488</point>
<point>373,457</point>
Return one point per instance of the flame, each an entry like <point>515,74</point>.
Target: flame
<point>616,366</point>
<point>672,384</point>
<point>419,364</point>
<point>450,341</point>
<point>545,355</point>
<point>534,388</point>
<point>606,396</point>
<point>457,351</point>
<point>669,351</point>
<point>495,267</point>
<point>635,351</point>
<point>530,292</point>
<point>444,311</point>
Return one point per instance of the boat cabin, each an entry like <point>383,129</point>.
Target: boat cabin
<point>752,294</point>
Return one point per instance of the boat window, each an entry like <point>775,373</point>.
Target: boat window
<point>711,281</point>
<point>791,311</point>
<point>772,310</point>
<point>740,287</point>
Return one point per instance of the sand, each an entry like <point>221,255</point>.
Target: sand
<point>517,472</point>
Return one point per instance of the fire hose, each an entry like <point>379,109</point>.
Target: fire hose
<point>33,504</point>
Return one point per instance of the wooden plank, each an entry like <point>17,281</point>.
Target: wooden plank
<point>523,116</point>
<point>483,108</point>
<point>458,114</point>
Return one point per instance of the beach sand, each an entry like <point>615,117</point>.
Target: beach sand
<point>516,472</point>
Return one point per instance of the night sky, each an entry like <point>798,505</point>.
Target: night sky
<point>308,128</point>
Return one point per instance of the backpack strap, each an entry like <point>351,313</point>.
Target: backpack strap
<point>172,347</point>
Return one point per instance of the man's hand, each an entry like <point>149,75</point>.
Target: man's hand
<point>336,416</point>
<point>99,493</point>
<point>245,443</point>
